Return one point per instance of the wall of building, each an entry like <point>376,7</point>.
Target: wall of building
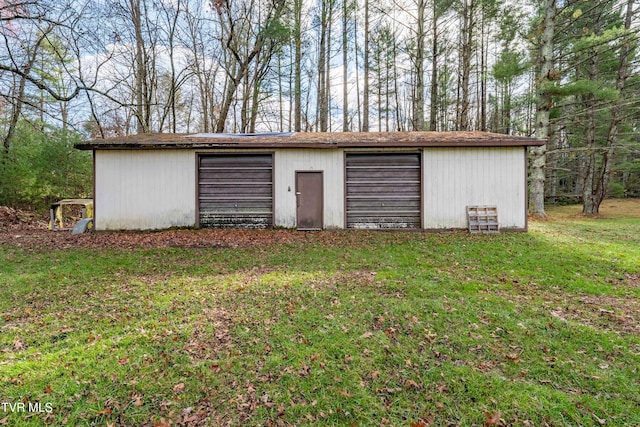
<point>287,162</point>
<point>154,189</point>
<point>144,189</point>
<point>455,178</point>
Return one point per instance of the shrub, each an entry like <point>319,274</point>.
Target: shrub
<point>42,167</point>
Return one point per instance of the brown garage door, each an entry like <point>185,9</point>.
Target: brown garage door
<point>383,190</point>
<point>235,190</point>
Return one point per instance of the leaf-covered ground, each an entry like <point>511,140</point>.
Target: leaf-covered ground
<point>215,327</point>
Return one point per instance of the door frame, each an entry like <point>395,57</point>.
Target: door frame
<point>321,173</point>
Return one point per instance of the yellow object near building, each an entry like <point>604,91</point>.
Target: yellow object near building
<point>58,216</point>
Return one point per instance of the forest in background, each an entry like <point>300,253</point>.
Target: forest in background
<point>563,71</point>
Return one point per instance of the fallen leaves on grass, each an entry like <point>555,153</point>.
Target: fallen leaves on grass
<point>620,314</point>
<point>492,419</point>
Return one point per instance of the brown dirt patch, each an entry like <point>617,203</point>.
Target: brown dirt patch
<point>46,240</point>
<point>633,280</point>
<point>30,231</point>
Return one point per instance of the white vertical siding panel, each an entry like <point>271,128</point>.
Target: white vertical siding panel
<point>145,190</point>
<point>287,162</point>
<point>457,177</point>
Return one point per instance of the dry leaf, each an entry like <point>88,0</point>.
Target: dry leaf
<point>493,419</point>
<point>514,357</point>
<point>47,389</point>
<point>178,388</point>
<point>162,423</point>
<point>411,384</point>
<point>344,393</point>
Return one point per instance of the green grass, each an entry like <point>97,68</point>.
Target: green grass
<point>370,329</point>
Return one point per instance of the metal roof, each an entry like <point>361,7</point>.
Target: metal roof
<point>309,140</point>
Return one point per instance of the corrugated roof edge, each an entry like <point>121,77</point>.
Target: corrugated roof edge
<point>312,140</point>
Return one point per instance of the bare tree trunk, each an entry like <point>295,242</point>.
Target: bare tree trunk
<point>199,68</point>
<point>142,109</point>
<point>588,202</point>
<point>433,107</point>
<point>398,126</point>
<point>322,60</point>
<point>234,44</point>
<point>418,97</point>
<point>19,97</point>
<point>355,51</point>
<point>465,57</point>
<point>327,80</point>
<point>545,57</point>
<point>345,89</point>
<point>602,179</point>
<point>365,89</point>
<point>280,101</point>
<point>298,60</point>
<point>483,76</point>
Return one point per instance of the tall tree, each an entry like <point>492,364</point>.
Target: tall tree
<point>365,78</point>
<point>25,27</point>
<point>467,32</point>
<point>324,60</point>
<point>243,40</point>
<point>439,8</point>
<point>546,79</point>
<point>604,40</point>
<point>509,66</point>
<point>297,36</point>
<point>418,95</point>
<point>346,11</point>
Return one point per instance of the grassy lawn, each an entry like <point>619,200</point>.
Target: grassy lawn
<point>340,328</point>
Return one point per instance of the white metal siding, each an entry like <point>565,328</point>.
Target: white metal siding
<point>457,177</point>
<point>287,162</point>
<point>145,189</point>
<point>150,189</point>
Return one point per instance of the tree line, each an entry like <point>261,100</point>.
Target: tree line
<point>562,70</point>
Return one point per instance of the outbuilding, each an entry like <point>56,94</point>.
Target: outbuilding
<point>408,180</point>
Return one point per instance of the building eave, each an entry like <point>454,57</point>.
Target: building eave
<point>311,140</point>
